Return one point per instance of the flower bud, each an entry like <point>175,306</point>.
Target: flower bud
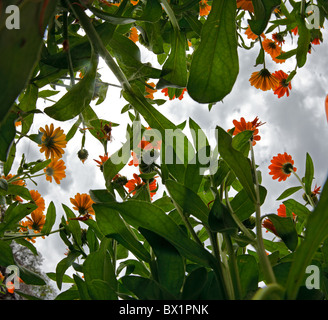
<point>83,155</point>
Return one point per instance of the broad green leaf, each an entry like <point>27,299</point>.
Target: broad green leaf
<point>194,284</point>
<point>187,200</point>
<point>39,166</point>
<point>211,289</point>
<point>63,265</point>
<point>214,67</point>
<point>316,231</point>
<point>15,215</point>
<point>219,218</point>
<point>248,273</point>
<point>148,216</point>
<point>98,266</point>
<point>262,11</point>
<point>82,287</point>
<point>30,277</point>
<point>14,189</point>
<point>285,228</point>
<point>112,225</point>
<point>146,289</point>
<point>288,192</point>
<point>101,290</point>
<point>50,219</point>
<point>174,71</point>
<point>73,102</point>
<point>21,45</point>
<point>170,264</point>
<point>133,266</point>
<point>7,135</point>
<point>28,106</point>
<point>239,164</point>
<point>299,209</point>
<point>6,257</point>
<point>10,159</point>
<point>309,174</point>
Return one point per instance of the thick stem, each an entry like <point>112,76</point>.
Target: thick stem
<point>264,261</point>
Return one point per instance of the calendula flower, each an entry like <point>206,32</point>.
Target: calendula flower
<point>283,87</point>
<point>263,80</point>
<point>245,5</point>
<point>56,170</point>
<point>277,59</point>
<point>150,91</point>
<point>242,125</point>
<point>134,35</point>
<point>281,211</point>
<point>204,8</point>
<point>166,93</point>
<point>102,161</point>
<point>278,38</point>
<point>38,200</point>
<point>136,183</point>
<point>271,47</point>
<point>294,31</point>
<point>250,34</point>
<point>134,2</point>
<point>53,141</point>
<point>18,123</point>
<point>267,224</point>
<point>281,166</point>
<point>83,204</point>
<point>316,41</point>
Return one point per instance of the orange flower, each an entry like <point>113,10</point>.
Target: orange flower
<point>166,93</point>
<point>282,211</point>
<point>276,60</point>
<point>150,91</point>
<point>38,200</point>
<point>134,2</point>
<point>263,80</point>
<point>267,223</point>
<point>83,203</point>
<point>204,8</point>
<point>242,125</point>
<point>135,160</point>
<point>245,5</point>
<point>18,182</point>
<point>134,35</point>
<point>18,123</point>
<point>109,4</point>
<point>295,31</point>
<point>316,41</point>
<point>53,142</point>
<point>326,106</point>
<point>102,161</point>
<point>134,184</point>
<point>56,170</point>
<point>278,38</point>
<point>250,34</point>
<point>271,47</point>
<point>283,86</point>
<point>281,166</point>
<point>316,190</point>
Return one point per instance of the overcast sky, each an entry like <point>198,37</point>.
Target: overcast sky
<point>295,125</point>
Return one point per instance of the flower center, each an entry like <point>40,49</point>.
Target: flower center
<point>50,171</point>
<point>287,168</point>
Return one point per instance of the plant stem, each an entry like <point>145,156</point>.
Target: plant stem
<point>171,15</point>
<point>68,51</point>
<point>303,186</point>
<point>18,236</point>
<point>264,261</point>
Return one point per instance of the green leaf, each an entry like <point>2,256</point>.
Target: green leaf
<point>7,135</point>
<point>316,231</point>
<point>50,219</point>
<point>303,43</point>
<point>188,200</point>
<point>262,11</point>
<point>146,215</point>
<point>30,277</point>
<point>146,289</point>
<point>170,264</point>
<point>219,218</point>
<point>63,265</point>
<point>15,214</point>
<point>248,274</point>
<point>309,174</point>
<point>174,71</point>
<point>6,257</point>
<point>239,164</point>
<point>73,102</point>
<point>285,228</point>
<point>73,225</point>
<point>288,192</point>
<point>98,266</point>
<point>101,290</point>
<point>39,166</point>
<point>194,284</point>
<point>23,46</point>
<point>10,159</point>
<point>82,287</point>
<point>112,225</point>
<point>214,67</point>
<point>299,209</point>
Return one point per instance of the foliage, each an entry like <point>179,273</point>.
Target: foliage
<point>202,239</point>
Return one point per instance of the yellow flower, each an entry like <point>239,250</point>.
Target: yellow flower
<point>53,142</point>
